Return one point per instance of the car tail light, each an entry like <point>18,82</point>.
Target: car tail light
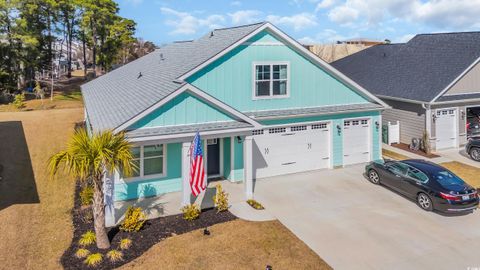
<point>450,197</point>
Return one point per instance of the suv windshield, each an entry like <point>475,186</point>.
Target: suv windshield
<point>446,178</point>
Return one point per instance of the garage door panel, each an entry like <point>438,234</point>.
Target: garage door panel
<point>356,141</point>
<point>291,152</point>
<point>446,132</point>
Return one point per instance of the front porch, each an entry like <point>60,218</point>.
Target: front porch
<point>168,189</point>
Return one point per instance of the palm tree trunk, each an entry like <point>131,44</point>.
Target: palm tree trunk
<point>99,215</point>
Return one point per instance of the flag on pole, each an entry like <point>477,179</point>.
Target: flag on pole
<point>197,173</point>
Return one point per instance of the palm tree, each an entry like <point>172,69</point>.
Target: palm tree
<point>91,157</point>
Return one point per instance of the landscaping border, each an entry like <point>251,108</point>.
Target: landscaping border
<point>153,231</point>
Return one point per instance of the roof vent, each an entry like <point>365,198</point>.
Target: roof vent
<point>384,54</point>
<point>139,75</point>
<point>211,34</point>
<point>161,57</point>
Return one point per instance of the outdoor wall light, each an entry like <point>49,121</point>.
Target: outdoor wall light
<point>462,112</point>
<point>434,117</point>
<point>339,129</point>
<point>239,139</point>
<point>377,124</point>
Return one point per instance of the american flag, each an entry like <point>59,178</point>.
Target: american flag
<point>197,173</point>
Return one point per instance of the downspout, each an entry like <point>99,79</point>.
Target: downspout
<point>428,119</point>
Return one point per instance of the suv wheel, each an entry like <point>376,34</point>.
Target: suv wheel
<point>475,153</point>
<point>424,202</point>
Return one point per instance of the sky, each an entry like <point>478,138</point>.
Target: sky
<point>309,21</point>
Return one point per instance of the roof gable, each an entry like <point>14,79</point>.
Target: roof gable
<point>183,109</point>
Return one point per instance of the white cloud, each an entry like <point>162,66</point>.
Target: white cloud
<point>236,3</point>
<point>443,14</point>
<point>297,21</point>
<point>343,15</point>
<point>245,16</point>
<point>185,23</point>
<point>324,4</point>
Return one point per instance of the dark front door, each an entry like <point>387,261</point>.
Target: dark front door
<point>213,157</point>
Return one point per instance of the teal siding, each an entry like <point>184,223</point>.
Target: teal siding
<point>337,137</point>
<point>226,158</point>
<point>238,160</point>
<point>183,109</point>
<point>230,79</point>
<point>125,190</point>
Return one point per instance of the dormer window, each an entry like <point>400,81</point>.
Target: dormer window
<point>271,80</point>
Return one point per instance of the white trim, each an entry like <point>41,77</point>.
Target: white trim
<point>196,92</point>
<point>186,189</point>
<point>402,99</point>
<point>456,80</point>
<point>314,58</point>
<point>181,137</point>
<point>457,101</point>
<point>271,64</point>
<point>263,43</point>
<point>232,158</point>
<point>315,114</point>
<point>151,176</point>
<point>461,94</point>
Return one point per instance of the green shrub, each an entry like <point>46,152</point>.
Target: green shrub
<point>86,195</point>
<point>19,101</point>
<point>220,199</point>
<point>82,253</point>
<point>125,243</point>
<point>190,212</point>
<point>255,204</point>
<point>94,259</point>
<point>115,255</point>
<point>87,239</point>
<point>134,219</point>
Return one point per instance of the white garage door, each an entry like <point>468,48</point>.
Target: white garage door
<point>445,128</point>
<point>356,141</point>
<point>285,150</point>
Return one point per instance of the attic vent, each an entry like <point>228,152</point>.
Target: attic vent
<point>139,75</point>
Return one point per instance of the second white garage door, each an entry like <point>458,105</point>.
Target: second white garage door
<point>284,150</point>
<point>356,141</point>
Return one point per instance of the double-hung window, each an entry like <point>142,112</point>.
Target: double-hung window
<point>271,80</point>
<point>149,160</point>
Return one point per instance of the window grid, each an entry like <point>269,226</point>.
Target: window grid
<point>298,128</point>
<point>273,75</point>
<point>319,126</point>
<point>277,130</point>
<point>364,122</point>
<point>141,158</point>
<point>257,132</point>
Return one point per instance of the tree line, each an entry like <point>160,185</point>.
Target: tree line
<point>30,28</point>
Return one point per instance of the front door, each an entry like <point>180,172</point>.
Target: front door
<point>213,157</point>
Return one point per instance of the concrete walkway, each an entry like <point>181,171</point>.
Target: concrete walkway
<point>244,211</point>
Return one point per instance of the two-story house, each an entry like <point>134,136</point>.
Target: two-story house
<point>263,104</point>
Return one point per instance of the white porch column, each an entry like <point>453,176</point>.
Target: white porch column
<point>186,190</point>
<point>248,166</point>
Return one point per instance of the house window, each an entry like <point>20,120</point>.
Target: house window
<point>277,130</point>
<point>319,126</point>
<point>271,80</point>
<point>298,128</point>
<point>149,159</point>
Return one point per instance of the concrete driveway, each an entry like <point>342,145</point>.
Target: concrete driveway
<point>353,224</point>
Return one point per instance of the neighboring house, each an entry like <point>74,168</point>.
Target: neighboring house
<point>263,104</point>
<point>362,41</point>
<point>334,52</point>
<point>432,82</point>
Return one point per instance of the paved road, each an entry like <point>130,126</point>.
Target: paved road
<point>353,224</point>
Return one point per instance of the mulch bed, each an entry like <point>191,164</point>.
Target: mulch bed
<point>406,147</point>
<point>153,231</point>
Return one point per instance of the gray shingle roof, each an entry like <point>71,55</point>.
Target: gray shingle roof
<point>120,95</point>
<point>170,130</point>
<point>314,110</point>
<point>417,70</point>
